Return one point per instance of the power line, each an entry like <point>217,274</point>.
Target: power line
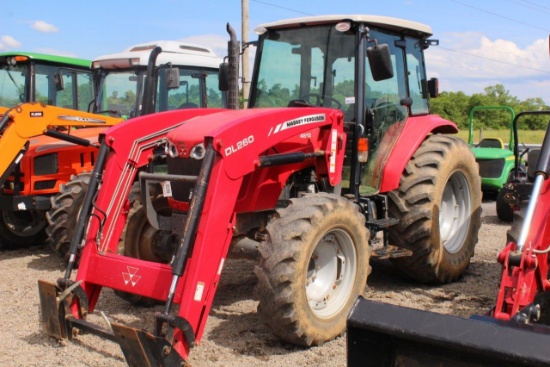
<point>500,16</point>
<point>535,4</point>
<point>529,5</point>
<point>280,7</point>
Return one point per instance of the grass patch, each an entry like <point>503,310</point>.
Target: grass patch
<point>525,136</point>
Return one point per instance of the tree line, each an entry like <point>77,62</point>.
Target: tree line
<point>456,106</point>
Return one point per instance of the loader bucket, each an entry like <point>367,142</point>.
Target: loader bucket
<point>386,335</point>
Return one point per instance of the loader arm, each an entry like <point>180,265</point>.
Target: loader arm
<point>193,275</point>
<point>29,120</point>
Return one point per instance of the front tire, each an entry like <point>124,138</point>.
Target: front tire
<point>312,268</point>
<point>64,212</point>
<point>438,204</point>
<point>21,228</point>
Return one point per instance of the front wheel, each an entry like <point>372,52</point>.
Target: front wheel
<point>21,228</point>
<point>64,212</point>
<point>438,204</point>
<point>312,268</point>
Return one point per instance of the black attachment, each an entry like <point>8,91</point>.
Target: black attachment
<point>66,137</point>
<point>386,335</point>
<point>287,158</point>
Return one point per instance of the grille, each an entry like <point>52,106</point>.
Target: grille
<point>490,168</point>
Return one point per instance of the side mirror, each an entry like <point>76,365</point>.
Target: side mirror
<point>58,81</point>
<point>433,87</point>
<point>223,77</point>
<point>380,62</point>
<point>172,78</point>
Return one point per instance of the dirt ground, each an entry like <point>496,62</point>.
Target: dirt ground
<point>235,335</point>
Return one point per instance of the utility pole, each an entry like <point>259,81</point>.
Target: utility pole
<point>245,61</point>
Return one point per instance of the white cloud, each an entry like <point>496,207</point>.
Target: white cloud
<point>44,27</point>
<point>10,42</point>
<point>7,42</point>
<point>470,62</point>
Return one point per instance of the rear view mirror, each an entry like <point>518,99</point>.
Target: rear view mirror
<point>58,81</point>
<point>172,78</point>
<point>380,62</point>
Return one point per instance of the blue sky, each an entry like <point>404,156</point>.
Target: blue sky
<point>482,42</point>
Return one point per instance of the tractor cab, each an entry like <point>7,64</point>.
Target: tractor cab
<point>52,80</point>
<point>183,76</point>
<point>370,67</point>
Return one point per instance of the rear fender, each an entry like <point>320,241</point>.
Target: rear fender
<point>414,132</point>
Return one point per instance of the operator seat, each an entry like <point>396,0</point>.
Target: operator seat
<point>491,143</point>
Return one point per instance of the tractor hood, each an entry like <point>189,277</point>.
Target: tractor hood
<point>242,135</point>
<point>492,153</point>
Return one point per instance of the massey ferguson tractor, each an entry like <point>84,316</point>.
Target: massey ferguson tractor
<point>337,159</point>
<point>181,76</point>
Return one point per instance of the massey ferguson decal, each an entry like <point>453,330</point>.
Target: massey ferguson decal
<point>311,119</point>
<point>333,146</point>
<point>131,276</point>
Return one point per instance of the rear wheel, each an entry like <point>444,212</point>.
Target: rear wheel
<point>21,228</point>
<point>438,204</point>
<point>63,215</point>
<point>312,268</point>
<point>143,241</point>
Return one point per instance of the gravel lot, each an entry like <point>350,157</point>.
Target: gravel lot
<point>235,335</point>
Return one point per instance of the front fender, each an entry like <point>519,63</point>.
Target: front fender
<point>414,132</point>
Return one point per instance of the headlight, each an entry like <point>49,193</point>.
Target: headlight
<point>171,150</point>
<point>198,152</point>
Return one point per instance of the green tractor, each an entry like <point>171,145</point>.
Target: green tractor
<point>497,162</point>
<point>495,159</point>
<point>53,80</point>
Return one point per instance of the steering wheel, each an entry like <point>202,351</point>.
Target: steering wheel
<point>318,97</point>
<point>386,103</point>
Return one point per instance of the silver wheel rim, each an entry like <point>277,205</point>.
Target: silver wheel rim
<point>331,273</point>
<point>454,214</point>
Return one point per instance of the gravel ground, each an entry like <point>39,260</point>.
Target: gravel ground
<point>235,335</point>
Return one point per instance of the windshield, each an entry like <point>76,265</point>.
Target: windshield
<point>197,87</point>
<point>314,64</point>
<point>12,84</point>
<point>123,91</point>
<point>118,91</point>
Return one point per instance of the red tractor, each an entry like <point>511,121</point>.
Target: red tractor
<point>337,159</point>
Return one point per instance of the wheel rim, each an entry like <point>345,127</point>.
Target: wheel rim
<point>23,223</point>
<point>454,215</point>
<point>331,273</point>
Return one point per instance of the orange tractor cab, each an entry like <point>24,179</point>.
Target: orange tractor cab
<point>337,159</point>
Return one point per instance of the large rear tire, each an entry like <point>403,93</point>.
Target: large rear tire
<point>63,215</point>
<point>312,268</point>
<point>438,204</point>
<point>21,228</point>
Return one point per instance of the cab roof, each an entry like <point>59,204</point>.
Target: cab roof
<point>177,53</point>
<point>393,24</point>
<point>73,61</point>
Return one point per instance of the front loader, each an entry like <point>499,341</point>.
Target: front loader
<point>515,332</point>
<point>337,159</point>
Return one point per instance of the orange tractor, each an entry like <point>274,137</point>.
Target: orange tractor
<point>337,159</point>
